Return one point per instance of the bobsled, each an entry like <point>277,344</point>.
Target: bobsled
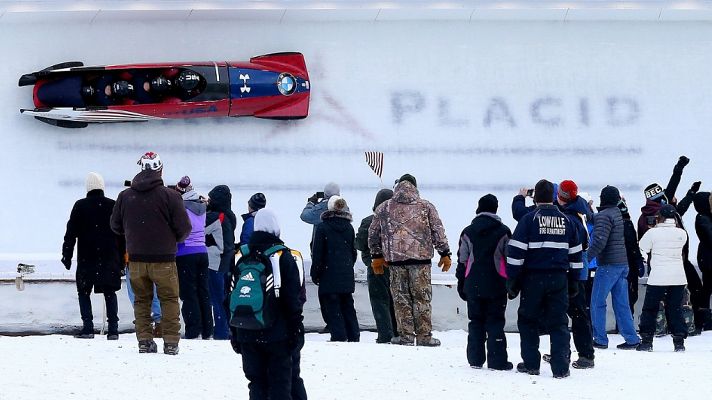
<point>71,95</point>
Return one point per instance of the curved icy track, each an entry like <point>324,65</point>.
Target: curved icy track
<point>468,108</point>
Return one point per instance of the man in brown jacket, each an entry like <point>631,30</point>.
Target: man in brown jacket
<point>152,217</point>
<point>402,236</point>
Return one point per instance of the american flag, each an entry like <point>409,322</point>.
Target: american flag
<point>374,159</point>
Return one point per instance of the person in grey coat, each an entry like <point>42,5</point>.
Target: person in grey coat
<point>608,247</point>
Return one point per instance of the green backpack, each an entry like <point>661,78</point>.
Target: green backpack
<point>253,296</point>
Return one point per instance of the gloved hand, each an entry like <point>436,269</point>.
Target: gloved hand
<point>681,163</point>
<point>573,288</point>
<point>236,347</point>
<point>624,209</point>
<point>513,288</point>
<point>296,337</point>
<point>461,289</point>
<point>695,187</point>
<point>445,263</point>
<point>313,199</point>
<point>641,270</point>
<point>67,263</point>
<point>377,264</point>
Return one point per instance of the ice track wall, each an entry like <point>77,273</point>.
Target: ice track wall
<point>466,107</point>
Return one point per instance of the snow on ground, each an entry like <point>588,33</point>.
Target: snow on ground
<point>62,367</point>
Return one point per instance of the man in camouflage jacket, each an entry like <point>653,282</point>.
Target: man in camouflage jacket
<point>402,236</point>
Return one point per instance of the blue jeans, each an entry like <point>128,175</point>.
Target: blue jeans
<point>216,281</point>
<point>612,279</point>
<point>155,305</point>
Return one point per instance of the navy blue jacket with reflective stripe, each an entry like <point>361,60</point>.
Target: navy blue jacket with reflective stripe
<point>544,240</point>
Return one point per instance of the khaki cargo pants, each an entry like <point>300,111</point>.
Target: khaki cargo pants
<point>412,293</point>
<point>165,276</point>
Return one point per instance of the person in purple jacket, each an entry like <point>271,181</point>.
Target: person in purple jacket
<point>192,262</point>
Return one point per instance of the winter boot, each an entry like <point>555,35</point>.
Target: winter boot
<point>562,375</point>
<point>525,370</point>
<point>147,346</point>
<point>170,348</point>
<point>113,333</point>
<point>679,343</point>
<point>157,330</point>
<point>583,363</point>
<point>87,332</point>
<point>546,358</point>
<point>428,342</point>
<point>627,346</point>
<point>508,366</point>
<point>402,340</point>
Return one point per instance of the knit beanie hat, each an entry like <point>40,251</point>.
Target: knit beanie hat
<point>610,196</point>
<point>655,192</point>
<point>150,160</point>
<point>408,178</point>
<point>266,221</point>
<point>184,185</point>
<point>667,211</point>
<point>544,192</point>
<point>258,201</point>
<point>337,203</point>
<point>94,182</point>
<point>331,189</point>
<point>568,190</point>
<point>381,197</point>
<point>488,203</point>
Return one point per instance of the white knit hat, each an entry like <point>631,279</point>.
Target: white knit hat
<point>150,160</point>
<point>337,203</point>
<point>94,182</point>
<point>266,221</point>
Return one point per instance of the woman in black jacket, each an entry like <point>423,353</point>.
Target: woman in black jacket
<point>99,255</point>
<point>333,259</point>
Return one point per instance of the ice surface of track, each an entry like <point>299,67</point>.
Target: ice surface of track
<point>468,108</point>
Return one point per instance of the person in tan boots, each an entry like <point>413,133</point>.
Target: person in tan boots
<point>153,220</point>
<point>402,236</point>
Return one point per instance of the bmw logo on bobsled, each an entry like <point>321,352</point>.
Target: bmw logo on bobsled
<point>71,95</point>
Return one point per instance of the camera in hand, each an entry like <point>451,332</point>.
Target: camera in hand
<point>127,183</point>
<point>319,195</point>
<point>530,193</point>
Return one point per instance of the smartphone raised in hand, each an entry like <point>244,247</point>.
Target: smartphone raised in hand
<point>530,193</point>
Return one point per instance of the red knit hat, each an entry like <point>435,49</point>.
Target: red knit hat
<point>567,191</point>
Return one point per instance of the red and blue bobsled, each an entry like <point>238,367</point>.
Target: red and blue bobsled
<point>71,95</point>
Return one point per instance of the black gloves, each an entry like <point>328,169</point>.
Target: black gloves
<point>295,341</point>
<point>695,187</point>
<point>573,288</point>
<point>513,288</point>
<point>314,199</point>
<point>681,163</point>
<point>67,263</point>
<point>624,209</point>
<point>236,347</point>
<point>461,289</point>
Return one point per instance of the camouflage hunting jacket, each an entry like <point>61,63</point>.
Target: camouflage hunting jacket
<point>406,228</point>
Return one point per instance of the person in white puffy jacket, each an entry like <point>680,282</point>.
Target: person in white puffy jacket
<point>663,244</point>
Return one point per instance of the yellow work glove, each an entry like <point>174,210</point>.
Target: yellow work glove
<point>445,263</point>
<point>377,264</point>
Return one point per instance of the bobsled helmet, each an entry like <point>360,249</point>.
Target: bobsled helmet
<point>122,88</point>
<point>160,84</point>
<point>87,91</point>
<point>188,80</point>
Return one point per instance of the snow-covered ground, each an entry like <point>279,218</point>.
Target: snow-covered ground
<point>61,367</point>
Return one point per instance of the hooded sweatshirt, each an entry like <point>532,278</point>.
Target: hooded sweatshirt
<point>220,209</point>
<point>151,217</point>
<point>196,209</point>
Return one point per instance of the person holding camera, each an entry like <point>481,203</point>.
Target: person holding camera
<point>519,203</point>
<point>99,255</point>
<point>544,260</point>
<point>317,204</point>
